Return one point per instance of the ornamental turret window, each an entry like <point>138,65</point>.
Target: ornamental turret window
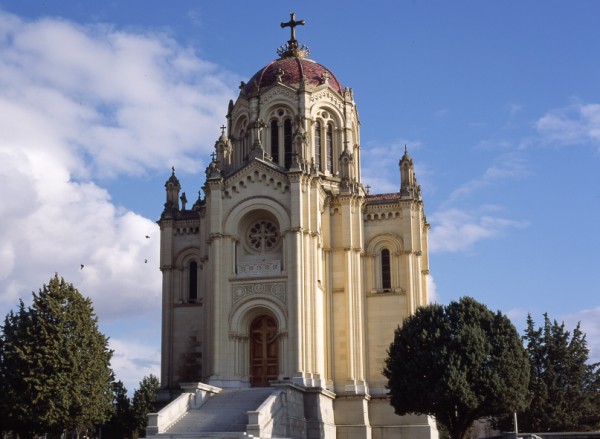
<point>329,147</point>
<point>318,146</point>
<point>287,143</point>
<point>275,141</point>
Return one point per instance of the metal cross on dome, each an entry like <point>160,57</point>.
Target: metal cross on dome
<point>292,25</point>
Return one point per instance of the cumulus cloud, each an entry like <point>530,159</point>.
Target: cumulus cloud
<point>578,123</point>
<point>455,230</point>
<point>79,106</point>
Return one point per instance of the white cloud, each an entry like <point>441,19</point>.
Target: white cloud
<point>507,166</point>
<point>455,230</point>
<point>578,123</point>
<point>127,102</point>
<point>79,104</point>
<point>132,360</point>
<point>434,297</point>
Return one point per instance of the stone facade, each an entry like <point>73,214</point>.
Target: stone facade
<point>288,270</point>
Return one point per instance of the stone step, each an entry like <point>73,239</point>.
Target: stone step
<point>221,416</point>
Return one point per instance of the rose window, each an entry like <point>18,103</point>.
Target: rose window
<point>263,236</point>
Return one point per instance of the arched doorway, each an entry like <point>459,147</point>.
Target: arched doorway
<point>264,351</point>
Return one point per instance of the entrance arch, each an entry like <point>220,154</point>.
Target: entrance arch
<point>264,351</point>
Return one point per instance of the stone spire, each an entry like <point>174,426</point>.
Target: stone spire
<point>172,187</point>
<point>409,188</point>
<point>224,150</point>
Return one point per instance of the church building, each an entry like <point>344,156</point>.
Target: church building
<point>288,276</point>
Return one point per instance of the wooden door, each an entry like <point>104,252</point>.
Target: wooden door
<point>264,351</point>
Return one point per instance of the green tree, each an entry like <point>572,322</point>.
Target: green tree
<point>143,402</point>
<point>121,423</point>
<point>55,370</point>
<point>564,390</point>
<point>458,363</point>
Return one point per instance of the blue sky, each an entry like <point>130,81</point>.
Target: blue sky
<point>498,103</point>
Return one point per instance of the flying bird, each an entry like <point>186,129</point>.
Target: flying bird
<point>147,237</point>
<point>82,266</point>
<point>145,261</point>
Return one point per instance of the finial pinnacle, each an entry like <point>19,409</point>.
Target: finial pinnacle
<point>292,48</point>
<point>292,25</point>
<point>173,171</point>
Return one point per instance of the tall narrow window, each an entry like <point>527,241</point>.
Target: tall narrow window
<point>244,149</point>
<point>275,141</point>
<point>287,143</point>
<point>329,140</point>
<point>193,284</point>
<point>318,146</point>
<point>386,275</point>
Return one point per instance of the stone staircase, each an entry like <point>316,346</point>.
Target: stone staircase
<point>221,416</point>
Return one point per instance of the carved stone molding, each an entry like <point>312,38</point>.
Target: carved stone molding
<point>264,289</point>
<point>238,336</point>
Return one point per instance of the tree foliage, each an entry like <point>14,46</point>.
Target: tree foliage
<point>143,402</point>
<point>564,390</point>
<point>458,363</point>
<point>121,423</point>
<point>55,370</point>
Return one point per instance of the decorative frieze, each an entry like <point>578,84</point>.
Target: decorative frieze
<point>383,215</point>
<point>259,269</point>
<point>270,289</point>
<point>187,231</point>
<point>329,96</point>
<point>275,92</point>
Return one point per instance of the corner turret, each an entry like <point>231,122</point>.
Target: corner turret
<point>409,188</point>
<point>172,187</point>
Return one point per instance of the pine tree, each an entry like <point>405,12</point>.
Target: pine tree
<point>564,390</point>
<point>121,423</point>
<point>55,370</point>
<point>143,402</point>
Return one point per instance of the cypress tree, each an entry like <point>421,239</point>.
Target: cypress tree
<point>564,390</point>
<point>55,373</point>
<point>143,402</point>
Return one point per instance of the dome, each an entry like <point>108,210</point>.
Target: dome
<point>292,70</point>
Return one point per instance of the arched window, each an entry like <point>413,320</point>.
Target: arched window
<point>329,140</point>
<point>287,143</point>
<point>243,154</point>
<point>318,146</point>
<point>386,275</point>
<point>275,141</point>
<point>193,282</point>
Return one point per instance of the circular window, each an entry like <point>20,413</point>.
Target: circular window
<point>263,235</point>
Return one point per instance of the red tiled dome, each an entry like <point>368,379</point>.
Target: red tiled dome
<point>294,69</point>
